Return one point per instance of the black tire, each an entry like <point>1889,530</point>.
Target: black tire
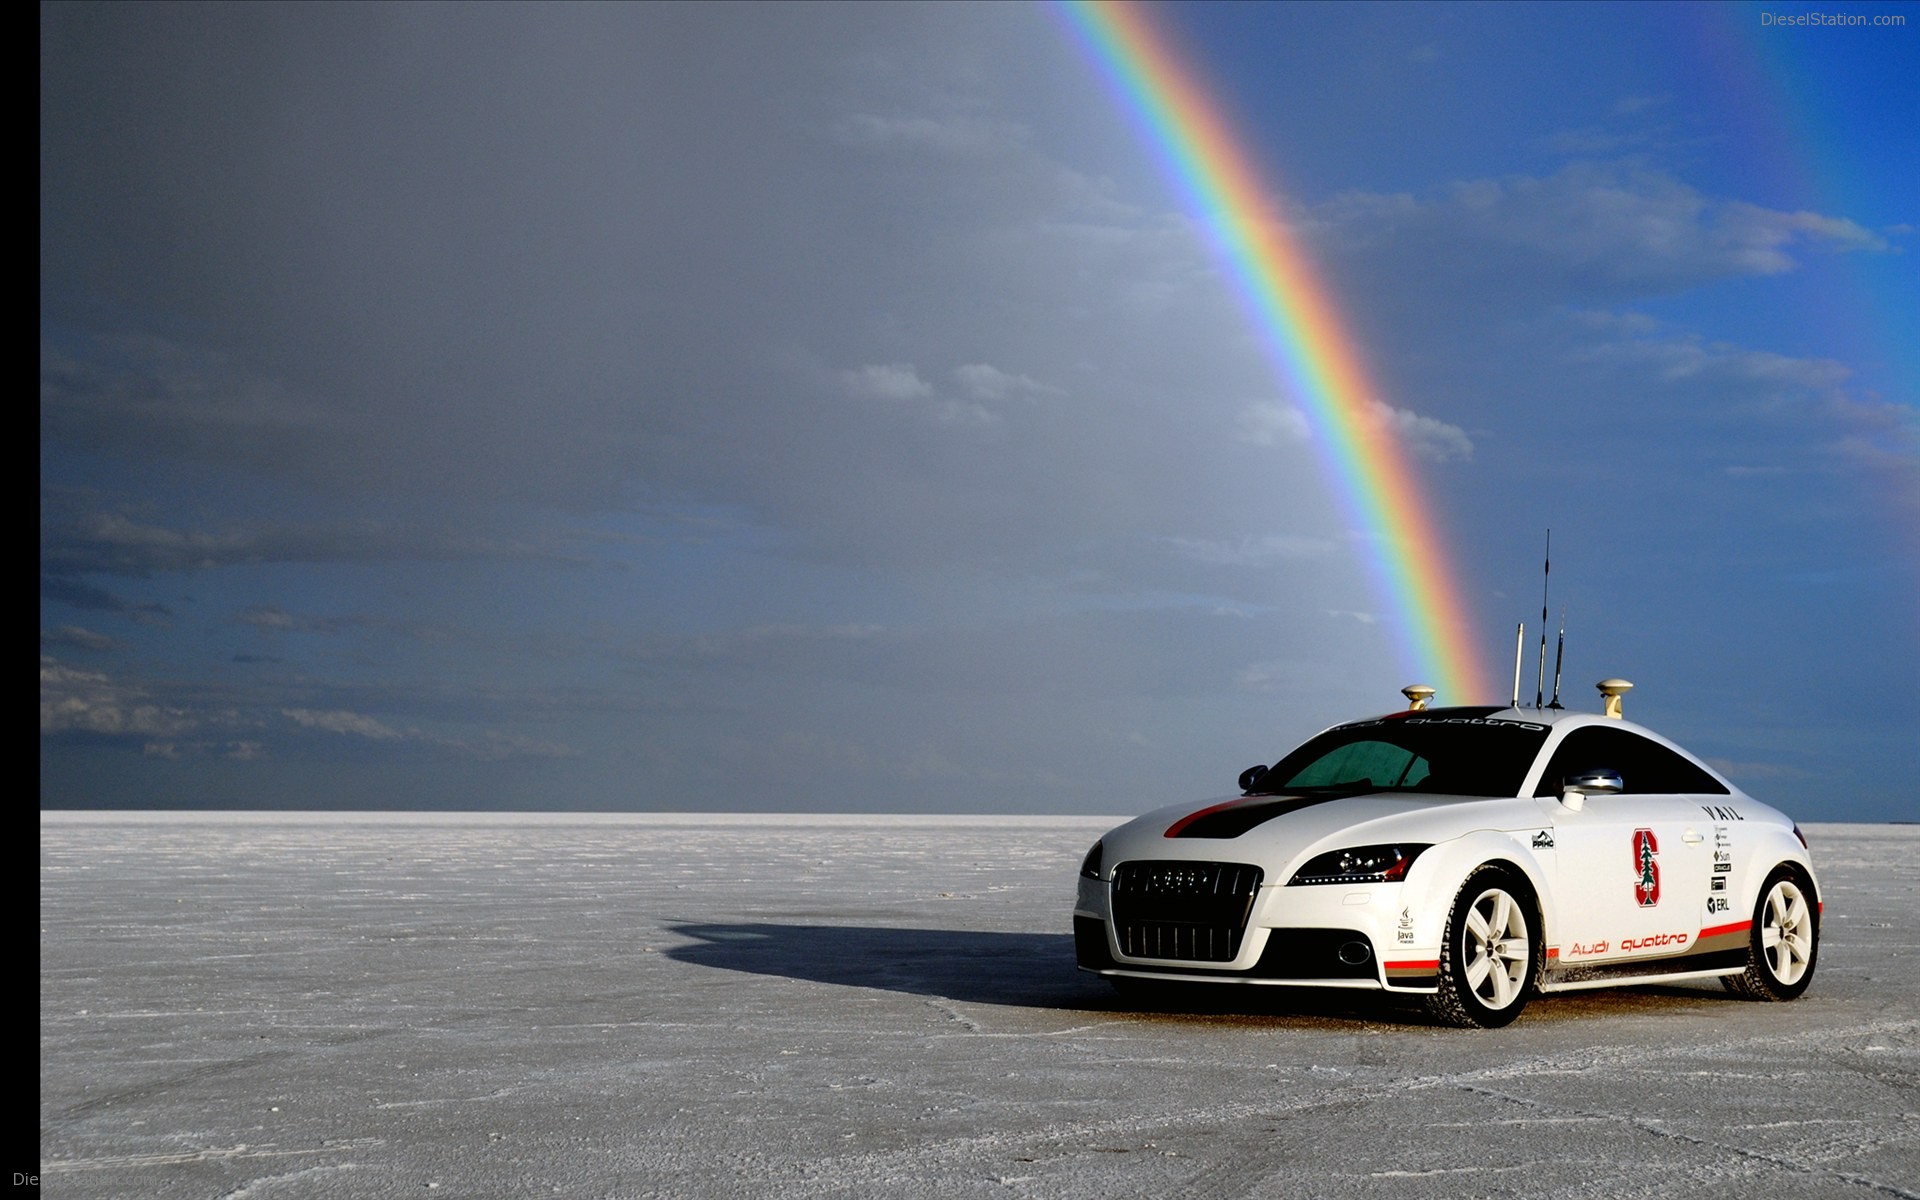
<point>1784,944</point>
<point>1489,961</point>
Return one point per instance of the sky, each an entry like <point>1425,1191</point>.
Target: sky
<point>827,407</point>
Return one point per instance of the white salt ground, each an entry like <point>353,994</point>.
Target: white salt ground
<point>286,1006</point>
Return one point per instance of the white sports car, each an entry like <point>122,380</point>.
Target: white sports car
<point>1470,856</point>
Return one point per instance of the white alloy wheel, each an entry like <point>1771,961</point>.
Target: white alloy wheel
<point>1487,961</point>
<point>1496,949</point>
<point>1786,933</point>
<point>1785,942</point>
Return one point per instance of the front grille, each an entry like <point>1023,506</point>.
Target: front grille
<point>1183,910</point>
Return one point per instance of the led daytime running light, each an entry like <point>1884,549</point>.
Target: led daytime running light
<point>1360,864</point>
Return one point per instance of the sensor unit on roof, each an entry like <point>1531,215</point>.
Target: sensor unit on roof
<point>1613,690</point>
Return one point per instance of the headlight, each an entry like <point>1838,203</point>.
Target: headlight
<point>1362,864</point>
<point>1090,866</point>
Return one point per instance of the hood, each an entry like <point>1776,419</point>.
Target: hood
<point>1273,831</point>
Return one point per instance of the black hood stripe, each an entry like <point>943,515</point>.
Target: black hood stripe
<point>1235,817</point>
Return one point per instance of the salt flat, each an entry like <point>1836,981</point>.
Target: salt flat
<point>304,1005</point>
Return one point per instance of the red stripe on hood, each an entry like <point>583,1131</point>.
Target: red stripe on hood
<point>1174,829</point>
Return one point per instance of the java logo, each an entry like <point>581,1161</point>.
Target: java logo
<point>1646,865</point>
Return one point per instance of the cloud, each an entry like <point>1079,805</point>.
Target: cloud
<point>73,700</point>
<point>900,383</point>
<point>271,619</point>
<point>75,594</point>
<point>142,392</point>
<point>1591,229</point>
<point>76,638</point>
<point>342,722</point>
<point>888,381</point>
<point>1253,551</point>
<point>954,135</point>
<point>985,382</point>
<point>1424,437</point>
<point>1365,618</point>
<point>1271,424</point>
<point>111,543</point>
<point>233,751</point>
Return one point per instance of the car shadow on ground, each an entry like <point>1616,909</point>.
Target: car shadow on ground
<point>1029,970</point>
<point>1036,970</point>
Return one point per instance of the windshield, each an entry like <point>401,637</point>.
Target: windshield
<point>1452,755</point>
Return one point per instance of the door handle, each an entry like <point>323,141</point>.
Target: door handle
<point>1691,838</point>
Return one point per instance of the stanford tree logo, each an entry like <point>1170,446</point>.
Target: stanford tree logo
<point>1646,866</point>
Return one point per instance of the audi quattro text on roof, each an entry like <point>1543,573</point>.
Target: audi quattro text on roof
<point>1469,856</point>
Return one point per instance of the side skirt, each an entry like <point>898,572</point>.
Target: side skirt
<point>1619,974</point>
<point>1575,985</point>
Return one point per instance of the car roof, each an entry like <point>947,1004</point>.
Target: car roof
<point>1488,714</point>
<point>1475,714</point>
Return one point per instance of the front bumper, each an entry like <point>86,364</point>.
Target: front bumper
<point>1338,936</point>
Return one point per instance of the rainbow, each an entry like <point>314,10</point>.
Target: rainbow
<point>1312,351</point>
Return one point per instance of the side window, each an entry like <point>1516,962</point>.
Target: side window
<point>1645,767</point>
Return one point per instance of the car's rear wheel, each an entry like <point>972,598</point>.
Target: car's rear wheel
<point>1784,943</point>
<point>1487,960</point>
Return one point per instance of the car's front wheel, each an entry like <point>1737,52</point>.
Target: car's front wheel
<point>1785,940</point>
<point>1487,960</point>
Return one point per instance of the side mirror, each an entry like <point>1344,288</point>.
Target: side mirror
<point>1251,777</point>
<point>1575,789</point>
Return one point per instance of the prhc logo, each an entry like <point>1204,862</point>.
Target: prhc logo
<point>1646,853</point>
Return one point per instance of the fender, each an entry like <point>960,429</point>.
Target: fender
<point>1434,879</point>
<point>1756,859</point>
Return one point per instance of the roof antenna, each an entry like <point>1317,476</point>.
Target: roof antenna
<point>1540,682</point>
<point>1519,641</point>
<point>1559,648</point>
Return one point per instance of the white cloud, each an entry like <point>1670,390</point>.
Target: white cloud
<point>113,543</point>
<point>76,700</point>
<point>1424,437</point>
<point>269,618</point>
<point>1591,227</point>
<point>1251,551</point>
<point>985,382</point>
<point>1365,618</point>
<point>1271,424</point>
<point>944,135</point>
<point>886,381</point>
<point>1675,355</point>
<point>237,751</point>
<point>78,638</point>
<point>341,721</point>
<point>900,383</point>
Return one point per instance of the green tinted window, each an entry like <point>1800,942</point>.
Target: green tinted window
<point>1363,764</point>
<point>1448,751</point>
